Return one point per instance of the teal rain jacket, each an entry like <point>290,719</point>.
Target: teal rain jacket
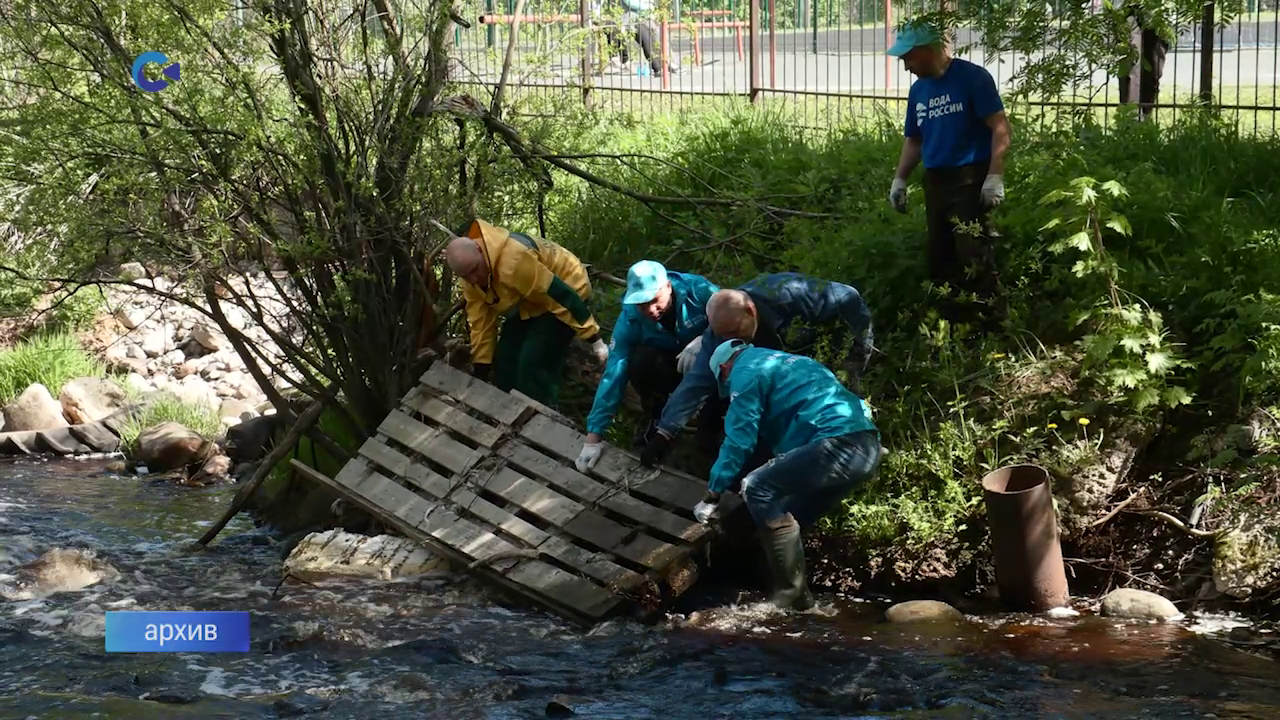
<point>690,295</point>
<point>784,402</point>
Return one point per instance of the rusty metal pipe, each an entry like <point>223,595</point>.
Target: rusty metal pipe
<point>1030,573</point>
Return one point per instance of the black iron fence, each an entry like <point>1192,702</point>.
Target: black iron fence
<point>825,57</point>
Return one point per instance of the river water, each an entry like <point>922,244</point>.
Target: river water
<point>440,647</point>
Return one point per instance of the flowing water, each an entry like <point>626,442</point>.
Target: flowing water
<point>439,647</point>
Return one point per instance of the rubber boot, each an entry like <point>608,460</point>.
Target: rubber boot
<point>785,555</point>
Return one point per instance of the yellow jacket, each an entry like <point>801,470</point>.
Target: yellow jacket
<point>520,273</point>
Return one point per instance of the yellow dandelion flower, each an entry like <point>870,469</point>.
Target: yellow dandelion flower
<point>1083,421</point>
<point>1053,426</point>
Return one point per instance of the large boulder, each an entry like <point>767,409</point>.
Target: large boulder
<point>922,611</point>
<point>1135,604</point>
<point>34,409</point>
<point>60,570</point>
<point>170,445</point>
<point>89,399</point>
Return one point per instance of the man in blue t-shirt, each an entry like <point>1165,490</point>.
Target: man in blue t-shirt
<point>956,125</point>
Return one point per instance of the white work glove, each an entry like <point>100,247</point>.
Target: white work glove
<point>588,458</point>
<point>705,510</point>
<point>993,190</point>
<point>688,355</point>
<point>600,350</point>
<point>898,195</point>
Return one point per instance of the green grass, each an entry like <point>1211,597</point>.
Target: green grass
<point>1200,248</point>
<point>50,359</point>
<point>165,407</point>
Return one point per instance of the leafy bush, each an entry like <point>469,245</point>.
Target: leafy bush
<point>1140,264</point>
<point>50,359</point>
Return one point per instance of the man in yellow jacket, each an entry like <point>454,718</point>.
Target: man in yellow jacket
<point>540,289</point>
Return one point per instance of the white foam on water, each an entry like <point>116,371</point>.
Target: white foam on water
<point>1210,624</point>
<point>215,681</point>
<point>1063,612</point>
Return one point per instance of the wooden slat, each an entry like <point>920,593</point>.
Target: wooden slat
<point>543,468</point>
<point>430,442</point>
<point>542,409</point>
<point>395,463</point>
<point>588,598</point>
<point>453,418</point>
<point>534,497</point>
<point>592,564</point>
<point>563,443</point>
<point>467,537</point>
<point>576,520</point>
<point>361,479</point>
<point>538,465</point>
<point>475,394</point>
<point>670,488</point>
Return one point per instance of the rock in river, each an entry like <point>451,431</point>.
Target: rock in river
<point>920,611</point>
<point>1139,605</point>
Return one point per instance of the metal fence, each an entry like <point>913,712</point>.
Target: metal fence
<point>826,58</point>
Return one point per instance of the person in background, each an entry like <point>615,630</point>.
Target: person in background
<point>781,311</point>
<point>957,127</point>
<point>822,441</point>
<point>541,291</point>
<point>635,14</point>
<point>656,338</point>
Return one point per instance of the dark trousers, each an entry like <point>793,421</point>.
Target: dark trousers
<point>961,248</point>
<point>812,480</point>
<point>621,47</point>
<point>652,372</point>
<point>530,356</point>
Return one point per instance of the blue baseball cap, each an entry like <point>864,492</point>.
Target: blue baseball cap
<point>644,279</point>
<point>911,36</point>
<point>724,353</point>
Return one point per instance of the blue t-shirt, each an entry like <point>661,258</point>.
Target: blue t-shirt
<point>949,113</point>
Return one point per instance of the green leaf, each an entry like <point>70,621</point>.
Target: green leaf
<point>1159,362</point>
<point>1120,224</point>
<point>1145,398</point>
<point>1175,396</point>
<point>1114,189</point>
<point>1080,241</point>
<point>1132,344</point>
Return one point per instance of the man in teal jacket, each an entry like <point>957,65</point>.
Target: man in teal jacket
<point>656,338</point>
<point>823,441</point>
<point>781,311</point>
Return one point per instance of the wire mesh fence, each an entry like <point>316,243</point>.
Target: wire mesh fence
<point>826,58</point>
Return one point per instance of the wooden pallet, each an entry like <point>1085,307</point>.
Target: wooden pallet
<point>486,478</point>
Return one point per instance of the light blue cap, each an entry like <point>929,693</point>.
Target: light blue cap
<point>913,35</point>
<point>725,352</point>
<point>644,279</point>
